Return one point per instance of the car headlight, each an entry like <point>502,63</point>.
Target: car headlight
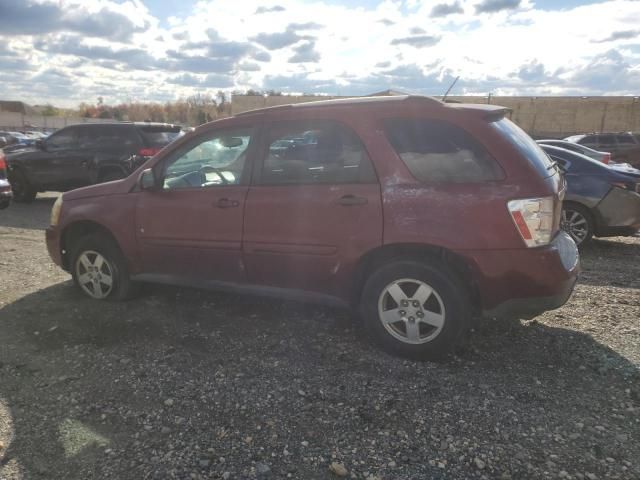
<point>55,211</point>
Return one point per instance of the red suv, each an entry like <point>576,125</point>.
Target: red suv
<point>419,214</point>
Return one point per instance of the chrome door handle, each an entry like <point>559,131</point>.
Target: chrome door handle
<point>227,203</point>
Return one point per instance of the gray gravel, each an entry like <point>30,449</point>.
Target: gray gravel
<point>188,384</point>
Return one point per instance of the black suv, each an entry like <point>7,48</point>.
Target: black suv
<point>81,155</point>
<point>623,146</point>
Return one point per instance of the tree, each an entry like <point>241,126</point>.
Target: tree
<point>50,111</point>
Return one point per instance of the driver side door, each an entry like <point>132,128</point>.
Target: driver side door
<point>190,226</point>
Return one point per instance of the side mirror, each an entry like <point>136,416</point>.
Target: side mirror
<point>147,180</point>
<point>40,145</point>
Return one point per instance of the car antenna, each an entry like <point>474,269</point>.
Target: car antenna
<point>450,87</point>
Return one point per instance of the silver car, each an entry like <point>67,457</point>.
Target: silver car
<point>604,157</point>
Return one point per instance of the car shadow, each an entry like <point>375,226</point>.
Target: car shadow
<point>30,216</point>
<point>601,258</point>
<point>82,379</point>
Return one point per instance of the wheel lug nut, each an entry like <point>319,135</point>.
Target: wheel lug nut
<point>419,314</point>
<point>411,319</point>
<point>404,303</point>
<point>402,313</point>
<point>416,303</point>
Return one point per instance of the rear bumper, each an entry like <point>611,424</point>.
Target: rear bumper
<point>528,281</point>
<point>52,237</point>
<point>618,213</point>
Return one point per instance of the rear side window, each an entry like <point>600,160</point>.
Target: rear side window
<point>625,140</point>
<point>436,151</point>
<point>107,137</point>
<point>527,147</point>
<point>311,152</point>
<point>159,136</point>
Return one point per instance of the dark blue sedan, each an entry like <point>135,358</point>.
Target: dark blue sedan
<point>601,200</point>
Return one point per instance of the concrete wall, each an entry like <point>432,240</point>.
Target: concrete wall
<point>539,116</point>
<point>19,121</point>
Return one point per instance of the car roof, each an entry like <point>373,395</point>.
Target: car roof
<point>369,102</point>
<point>136,124</point>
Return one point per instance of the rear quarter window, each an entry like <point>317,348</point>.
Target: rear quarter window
<point>527,147</point>
<point>159,136</point>
<point>436,151</point>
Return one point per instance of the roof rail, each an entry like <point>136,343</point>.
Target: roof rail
<point>337,102</point>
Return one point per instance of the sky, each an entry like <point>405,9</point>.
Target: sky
<point>69,51</point>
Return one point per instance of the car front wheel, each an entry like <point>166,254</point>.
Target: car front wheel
<point>99,269</point>
<point>415,309</point>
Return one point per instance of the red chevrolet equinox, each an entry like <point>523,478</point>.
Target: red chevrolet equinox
<point>418,214</point>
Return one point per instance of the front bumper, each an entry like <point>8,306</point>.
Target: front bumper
<point>525,282</point>
<point>52,237</point>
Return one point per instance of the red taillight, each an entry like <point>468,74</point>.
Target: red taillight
<point>3,162</point>
<point>522,225</point>
<point>607,158</point>
<point>148,152</point>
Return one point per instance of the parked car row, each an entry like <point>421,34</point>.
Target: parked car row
<point>623,146</point>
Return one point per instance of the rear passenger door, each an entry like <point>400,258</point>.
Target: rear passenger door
<point>313,209</point>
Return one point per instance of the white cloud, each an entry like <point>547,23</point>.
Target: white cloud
<point>65,51</point>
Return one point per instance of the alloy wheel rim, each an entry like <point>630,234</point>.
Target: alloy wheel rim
<point>575,224</point>
<point>411,311</point>
<point>95,274</point>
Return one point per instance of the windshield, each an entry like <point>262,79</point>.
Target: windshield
<point>526,146</point>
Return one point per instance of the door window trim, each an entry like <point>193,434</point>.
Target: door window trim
<point>262,150</point>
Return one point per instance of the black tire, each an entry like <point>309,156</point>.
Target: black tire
<point>582,229</point>
<point>111,175</point>
<point>453,297</point>
<point>122,287</point>
<point>23,192</point>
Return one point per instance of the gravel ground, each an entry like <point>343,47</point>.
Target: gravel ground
<point>187,384</point>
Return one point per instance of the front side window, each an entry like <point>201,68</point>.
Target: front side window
<point>66,138</point>
<point>215,159</point>
<point>315,152</point>
<point>436,151</point>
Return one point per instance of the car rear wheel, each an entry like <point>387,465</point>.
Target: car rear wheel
<point>576,221</point>
<point>415,309</point>
<point>23,192</point>
<point>99,269</point>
